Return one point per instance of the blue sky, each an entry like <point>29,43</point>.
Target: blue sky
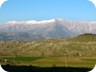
<point>23,10</point>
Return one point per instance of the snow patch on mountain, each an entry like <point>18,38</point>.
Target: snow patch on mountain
<point>31,22</point>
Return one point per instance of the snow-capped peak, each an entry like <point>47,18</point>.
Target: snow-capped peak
<point>31,22</point>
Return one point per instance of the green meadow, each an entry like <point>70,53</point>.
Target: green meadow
<point>81,62</point>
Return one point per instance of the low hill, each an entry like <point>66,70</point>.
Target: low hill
<point>82,46</point>
<point>87,37</point>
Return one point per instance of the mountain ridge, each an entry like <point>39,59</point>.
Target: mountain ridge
<point>54,28</point>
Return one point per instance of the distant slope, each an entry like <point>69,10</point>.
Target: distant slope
<point>55,28</point>
<point>87,37</point>
<point>80,46</point>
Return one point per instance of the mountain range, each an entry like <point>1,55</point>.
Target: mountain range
<point>46,29</point>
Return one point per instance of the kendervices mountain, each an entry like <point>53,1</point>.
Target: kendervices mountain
<point>55,28</point>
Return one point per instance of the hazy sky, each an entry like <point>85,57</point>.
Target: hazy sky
<point>21,10</point>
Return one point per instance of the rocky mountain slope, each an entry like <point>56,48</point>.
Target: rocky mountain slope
<point>55,28</point>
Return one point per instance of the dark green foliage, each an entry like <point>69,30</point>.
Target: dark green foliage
<point>44,69</point>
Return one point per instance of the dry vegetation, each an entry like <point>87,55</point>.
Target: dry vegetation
<point>75,52</point>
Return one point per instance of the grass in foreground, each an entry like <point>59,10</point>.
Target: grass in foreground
<point>79,62</point>
<point>22,58</point>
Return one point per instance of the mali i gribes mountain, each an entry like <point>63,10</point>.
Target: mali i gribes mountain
<point>55,28</point>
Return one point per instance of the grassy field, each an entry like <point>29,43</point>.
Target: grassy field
<point>22,58</point>
<point>81,62</point>
<point>78,51</point>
